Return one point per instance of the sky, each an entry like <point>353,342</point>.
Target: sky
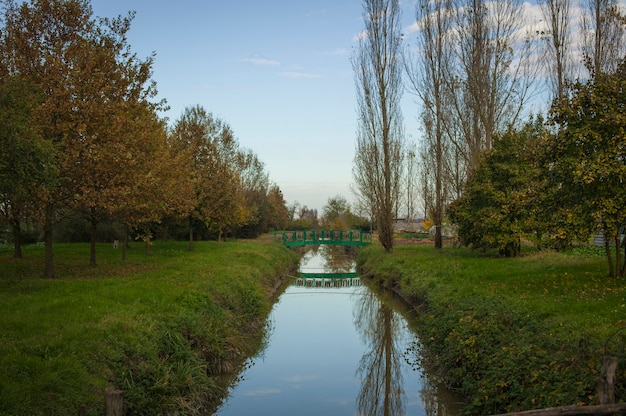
<point>277,71</point>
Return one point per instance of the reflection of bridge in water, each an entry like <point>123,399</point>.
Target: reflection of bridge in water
<point>315,237</point>
<point>327,280</point>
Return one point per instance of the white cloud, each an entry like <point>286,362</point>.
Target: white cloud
<point>262,391</point>
<point>338,52</point>
<point>302,378</point>
<point>360,36</point>
<point>261,61</point>
<point>299,75</point>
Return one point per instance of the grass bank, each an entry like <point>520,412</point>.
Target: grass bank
<point>510,334</point>
<point>160,328</point>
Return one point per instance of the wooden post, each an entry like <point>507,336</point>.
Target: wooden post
<point>574,410</point>
<point>606,381</point>
<point>113,402</point>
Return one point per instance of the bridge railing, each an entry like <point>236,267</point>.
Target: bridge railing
<point>345,237</point>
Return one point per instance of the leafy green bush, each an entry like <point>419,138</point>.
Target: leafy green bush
<point>496,356</point>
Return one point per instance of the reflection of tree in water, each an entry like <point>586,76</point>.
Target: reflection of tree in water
<point>338,259</point>
<point>433,404</point>
<point>306,252</point>
<point>380,369</point>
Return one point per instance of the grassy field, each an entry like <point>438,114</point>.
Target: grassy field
<point>511,334</point>
<point>161,328</point>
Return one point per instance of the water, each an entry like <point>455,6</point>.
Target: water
<point>334,351</point>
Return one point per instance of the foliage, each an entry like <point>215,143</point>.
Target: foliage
<point>232,193</point>
<point>494,210</point>
<point>210,148</point>
<point>511,334</point>
<point>336,214</point>
<point>161,328</point>
<point>585,160</point>
<point>27,162</point>
<point>96,96</point>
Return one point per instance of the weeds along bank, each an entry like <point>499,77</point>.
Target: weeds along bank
<point>160,328</point>
<point>510,334</point>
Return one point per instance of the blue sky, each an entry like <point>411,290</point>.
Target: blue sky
<point>278,72</point>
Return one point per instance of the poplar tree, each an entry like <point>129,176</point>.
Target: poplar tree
<point>428,78</point>
<point>378,74</point>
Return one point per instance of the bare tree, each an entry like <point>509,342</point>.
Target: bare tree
<point>378,75</point>
<point>557,16</point>
<point>493,71</point>
<point>603,28</point>
<point>410,184</point>
<point>427,75</point>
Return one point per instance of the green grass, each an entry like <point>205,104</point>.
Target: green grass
<point>161,328</point>
<point>510,334</point>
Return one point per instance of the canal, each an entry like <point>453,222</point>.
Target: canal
<point>334,347</point>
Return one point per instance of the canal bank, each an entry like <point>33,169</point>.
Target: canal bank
<point>159,328</point>
<point>508,334</point>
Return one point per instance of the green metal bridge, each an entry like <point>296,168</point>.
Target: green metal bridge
<point>311,280</point>
<point>336,237</point>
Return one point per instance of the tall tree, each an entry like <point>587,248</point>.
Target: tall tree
<point>378,73</point>
<point>493,71</point>
<point>278,211</point>
<point>428,80</point>
<point>27,162</point>
<point>111,99</point>
<point>557,15</point>
<point>153,178</point>
<point>87,73</point>
<point>39,42</point>
<point>603,28</point>
<point>213,155</point>
<point>586,161</point>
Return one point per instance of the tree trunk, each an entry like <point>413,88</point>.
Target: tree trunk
<point>623,265</point>
<point>607,249</point>
<point>94,237</point>
<point>48,272</point>
<point>17,238</point>
<point>385,230</point>
<point>190,248</point>
<point>125,242</point>
<point>147,240</point>
<point>618,255</point>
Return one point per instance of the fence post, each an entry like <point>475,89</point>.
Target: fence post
<point>606,381</point>
<point>113,402</point>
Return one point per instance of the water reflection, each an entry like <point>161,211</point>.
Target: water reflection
<point>328,259</point>
<point>336,350</point>
<point>380,369</point>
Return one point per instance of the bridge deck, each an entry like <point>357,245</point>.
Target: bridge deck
<point>325,282</point>
<point>337,237</point>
